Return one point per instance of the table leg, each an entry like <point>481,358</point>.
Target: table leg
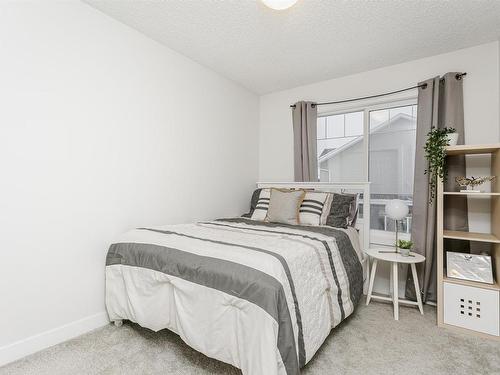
<point>372,278</point>
<point>395,293</point>
<point>391,284</point>
<point>417,288</point>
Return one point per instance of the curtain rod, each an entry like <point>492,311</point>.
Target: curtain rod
<point>423,86</point>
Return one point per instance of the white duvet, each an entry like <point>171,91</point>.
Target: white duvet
<point>259,296</point>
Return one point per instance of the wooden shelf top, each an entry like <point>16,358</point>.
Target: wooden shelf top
<point>482,194</point>
<point>471,236</point>
<point>472,149</point>
<point>474,284</point>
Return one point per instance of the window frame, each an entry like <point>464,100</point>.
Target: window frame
<point>382,238</point>
<point>366,109</point>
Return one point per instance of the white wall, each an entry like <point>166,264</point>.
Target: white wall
<point>101,130</point>
<point>481,109</point>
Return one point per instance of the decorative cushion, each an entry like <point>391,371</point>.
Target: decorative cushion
<point>326,208</point>
<point>261,205</point>
<point>353,211</point>
<point>342,208</point>
<point>253,203</point>
<point>284,206</point>
<point>314,209</point>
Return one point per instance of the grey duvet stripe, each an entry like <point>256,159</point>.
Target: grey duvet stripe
<point>238,280</point>
<point>325,244</point>
<point>284,264</point>
<point>348,255</point>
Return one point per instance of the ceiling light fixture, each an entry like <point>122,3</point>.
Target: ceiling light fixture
<point>279,4</point>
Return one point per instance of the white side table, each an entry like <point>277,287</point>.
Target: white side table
<point>395,259</point>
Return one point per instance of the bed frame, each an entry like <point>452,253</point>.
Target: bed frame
<point>363,225</point>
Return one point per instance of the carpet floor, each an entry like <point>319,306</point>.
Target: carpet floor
<point>369,342</point>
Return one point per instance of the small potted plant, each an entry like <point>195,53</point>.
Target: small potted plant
<point>437,140</point>
<point>452,136</point>
<point>404,247</point>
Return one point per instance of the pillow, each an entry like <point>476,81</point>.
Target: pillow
<point>326,208</point>
<point>253,202</point>
<point>284,206</point>
<point>343,206</point>
<point>353,211</point>
<point>314,208</point>
<point>261,205</point>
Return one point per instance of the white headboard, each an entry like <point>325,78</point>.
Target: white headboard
<point>347,187</point>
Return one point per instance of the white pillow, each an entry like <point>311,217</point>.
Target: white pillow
<point>314,208</point>
<point>326,208</point>
<point>262,206</point>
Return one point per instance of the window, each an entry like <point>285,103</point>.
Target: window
<point>340,146</point>
<point>375,144</point>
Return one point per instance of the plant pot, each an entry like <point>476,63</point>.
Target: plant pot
<point>452,139</point>
<point>404,252</point>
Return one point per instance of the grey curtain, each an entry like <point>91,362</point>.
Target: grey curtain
<point>440,104</point>
<point>304,117</point>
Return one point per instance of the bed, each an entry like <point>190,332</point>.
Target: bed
<point>260,296</point>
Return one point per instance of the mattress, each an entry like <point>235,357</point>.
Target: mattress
<point>260,296</point>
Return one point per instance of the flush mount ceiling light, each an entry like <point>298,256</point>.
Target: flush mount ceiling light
<point>279,4</point>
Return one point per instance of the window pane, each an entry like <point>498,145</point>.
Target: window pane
<point>354,123</point>
<point>392,161</point>
<point>341,158</point>
<point>378,117</point>
<point>395,112</point>
<point>321,131</point>
<point>335,126</point>
<point>321,146</point>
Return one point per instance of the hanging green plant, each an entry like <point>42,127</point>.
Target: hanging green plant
<point>437,140</point>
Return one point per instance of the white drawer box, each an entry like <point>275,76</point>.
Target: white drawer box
<point>472,308</point>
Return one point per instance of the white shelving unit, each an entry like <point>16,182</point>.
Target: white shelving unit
<point>467,305</point>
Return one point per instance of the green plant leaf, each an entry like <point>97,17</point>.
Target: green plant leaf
<point>435,154</point>
<point>402,244</point>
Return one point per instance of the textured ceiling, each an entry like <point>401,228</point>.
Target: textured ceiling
<point>267,50</point>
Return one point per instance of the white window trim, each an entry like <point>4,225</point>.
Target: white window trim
<point>378,237</point>
<point>367,108</point>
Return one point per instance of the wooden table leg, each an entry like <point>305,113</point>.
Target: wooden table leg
<point>417,288</point>
<point>395,293</point>
<point>372,278</point>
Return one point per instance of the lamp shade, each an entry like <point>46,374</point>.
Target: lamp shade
<point>396,209</point>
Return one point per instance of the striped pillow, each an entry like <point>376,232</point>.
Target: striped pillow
<point>314,208</point>
<point>260,211</point>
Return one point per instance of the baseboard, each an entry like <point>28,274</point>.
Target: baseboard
<point>12,352</point>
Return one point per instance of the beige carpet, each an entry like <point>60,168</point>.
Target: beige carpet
<point>369,342</point>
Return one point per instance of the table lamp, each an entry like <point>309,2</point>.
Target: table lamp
<point>396,209</point>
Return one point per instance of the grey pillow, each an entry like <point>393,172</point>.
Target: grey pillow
<point>342,210</point>
<point>253,203</point>
<point>284,206</point>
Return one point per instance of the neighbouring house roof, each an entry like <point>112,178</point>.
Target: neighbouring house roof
<point>326,151</point>
<point>329,153</point>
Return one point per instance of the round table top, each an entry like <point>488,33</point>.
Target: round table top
<point>374,252</point>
